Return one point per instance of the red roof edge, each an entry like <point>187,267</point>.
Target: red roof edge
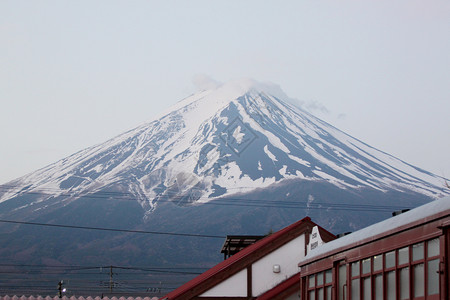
<point>326,235</point>
<point>285,288</point>
<point>235,260</point>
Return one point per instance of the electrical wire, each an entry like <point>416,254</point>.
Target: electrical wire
<point>30,277</point>
<point>76,267</point>
<point>178,199</point>
<point>122,280</point>
<point>112,229</point>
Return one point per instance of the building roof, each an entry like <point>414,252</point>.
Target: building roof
<point>282,290</point>
<point>244,258</point>
<point>430,211</point>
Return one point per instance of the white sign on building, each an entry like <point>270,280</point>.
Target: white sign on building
<point>315,239</point>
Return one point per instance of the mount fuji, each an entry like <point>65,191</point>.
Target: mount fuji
<point>240,158</point>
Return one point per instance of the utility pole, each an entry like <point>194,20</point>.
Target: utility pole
<point>111,283</point>
<point>60,288</point>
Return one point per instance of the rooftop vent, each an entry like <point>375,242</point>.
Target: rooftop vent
<point>343,234</point>
<point>399,212</point>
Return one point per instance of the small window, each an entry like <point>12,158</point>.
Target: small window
<point>391,286</point>
<point>320,294</point>
<point>312,281</point>
<point>355,289</point>
<point>419,279</point>
<point>433,247</point>
<point>433,277</point>
<point>377,263</point>
<point>318,285</point>
<point>342,280</point>
<point>328,276</point>
<point>403,256</point>
<point>320,278</point>
<point>328,292</point>
<point>367,288</point>
<point>390,259</point>
<point>378,287</point>
<point>355,269</point>
<point>366,263</point>
<point>312,295</point>
<point>404,283</point>
<point>417,251</point>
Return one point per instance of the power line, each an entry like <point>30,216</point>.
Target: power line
<point>78,282</point>
<point>77,267</point>
<point>112,229</point>
<point>112,195</point>
<point>176,198</point>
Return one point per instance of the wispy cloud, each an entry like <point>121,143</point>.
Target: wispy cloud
<point>205,82</point>
<point>342,116</point>
<point>314,105</point>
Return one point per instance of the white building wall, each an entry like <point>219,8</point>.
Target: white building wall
<point>235,286</point>
<point>287,257</point>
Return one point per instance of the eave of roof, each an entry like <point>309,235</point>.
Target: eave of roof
<point>241,259</point>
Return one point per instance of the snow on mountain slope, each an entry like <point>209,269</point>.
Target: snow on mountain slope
<point>237,137</point>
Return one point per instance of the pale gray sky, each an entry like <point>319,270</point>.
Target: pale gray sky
<point>75,73</point>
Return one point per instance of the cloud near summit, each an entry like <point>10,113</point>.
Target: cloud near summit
<point>204,82</point>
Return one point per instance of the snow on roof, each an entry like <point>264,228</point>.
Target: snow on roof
<point>440,206</point>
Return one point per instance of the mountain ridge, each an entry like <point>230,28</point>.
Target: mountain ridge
<point>196,147</point>
<point>249,163</point>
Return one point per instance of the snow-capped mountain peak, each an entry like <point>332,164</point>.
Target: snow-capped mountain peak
<point>233,138</point>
